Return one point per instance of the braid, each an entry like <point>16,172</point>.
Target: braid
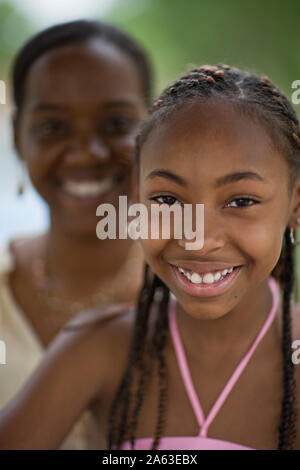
<point>123,395</point>
<point>144,302</point>
<point>155,351</point>
<point>160,338</point>
<point>287,427</point>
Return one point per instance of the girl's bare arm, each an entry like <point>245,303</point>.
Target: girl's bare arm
<point>69,378</point>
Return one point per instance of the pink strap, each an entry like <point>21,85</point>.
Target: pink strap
<point>185,372</point>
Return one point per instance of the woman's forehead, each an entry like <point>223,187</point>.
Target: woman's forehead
<point>94,69</point>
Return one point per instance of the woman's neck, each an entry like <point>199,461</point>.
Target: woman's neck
<point>81,262</point>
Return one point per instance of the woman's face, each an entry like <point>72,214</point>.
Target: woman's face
<point>244,217</point>
<point>82,107</point>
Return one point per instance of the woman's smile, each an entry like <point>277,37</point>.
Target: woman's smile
<point>89,187</point>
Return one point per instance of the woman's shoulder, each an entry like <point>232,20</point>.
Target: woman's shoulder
<point>7,258</point>
<point>24,247</point>
<point>17,252</point>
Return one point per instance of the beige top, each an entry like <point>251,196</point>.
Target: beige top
<point>24,351</point>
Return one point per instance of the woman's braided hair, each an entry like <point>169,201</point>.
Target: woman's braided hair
<point>259,97</point>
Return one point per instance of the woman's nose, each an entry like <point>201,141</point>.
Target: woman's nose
<point>98,149</point>
<point>89,149</point>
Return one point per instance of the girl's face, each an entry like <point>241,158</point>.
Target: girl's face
<point>76,131</point>
<point>244,217</point>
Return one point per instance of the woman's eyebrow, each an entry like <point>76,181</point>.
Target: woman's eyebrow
<point>48,106</point>
<point>222,180</point>
<point>44,106</point>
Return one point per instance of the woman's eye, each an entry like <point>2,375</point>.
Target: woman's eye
<point>117,126</point>
<point>51,128</point>
<point>170,200</point>
<point>247,199</point>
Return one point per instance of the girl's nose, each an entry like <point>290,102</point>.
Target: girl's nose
<point>213,235</point>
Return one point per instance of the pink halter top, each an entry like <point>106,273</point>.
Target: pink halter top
<point>201,441</point>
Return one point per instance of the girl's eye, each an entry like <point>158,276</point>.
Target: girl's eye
<point>117,126</point>
<point>170,200</point>
<point>245,199</point>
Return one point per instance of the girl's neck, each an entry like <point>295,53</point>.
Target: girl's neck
<point>234,331</point>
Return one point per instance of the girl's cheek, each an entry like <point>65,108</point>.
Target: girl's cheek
<point>153,250</point>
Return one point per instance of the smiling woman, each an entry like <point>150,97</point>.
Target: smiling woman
<point>81,90</point>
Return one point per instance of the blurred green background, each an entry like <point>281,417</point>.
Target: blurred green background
<point>261,36</point>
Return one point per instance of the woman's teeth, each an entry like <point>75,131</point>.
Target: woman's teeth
<point>88,188</point>
<point>207,278</point>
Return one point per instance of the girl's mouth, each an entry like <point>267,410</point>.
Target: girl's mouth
<point>208,285</point>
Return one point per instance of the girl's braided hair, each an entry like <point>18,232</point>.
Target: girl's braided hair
<point>263,101</point>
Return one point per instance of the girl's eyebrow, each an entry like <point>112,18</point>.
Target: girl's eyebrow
<point>161,173</point>
<point>222,180</point>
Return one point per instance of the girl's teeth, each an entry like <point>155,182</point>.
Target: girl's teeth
<point>208,278</point>
<point>196,278</point>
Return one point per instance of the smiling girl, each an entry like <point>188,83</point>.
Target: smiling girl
<point>204,361</point>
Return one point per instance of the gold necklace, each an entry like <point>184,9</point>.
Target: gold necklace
<point>111,292</point>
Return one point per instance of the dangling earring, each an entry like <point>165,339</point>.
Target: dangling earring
<point>21,182</point>
<point>294,243</point>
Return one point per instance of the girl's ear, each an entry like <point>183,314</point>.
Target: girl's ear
<point>135,197</point>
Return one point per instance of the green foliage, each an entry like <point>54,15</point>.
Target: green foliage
<point>261,36</point>
<point>14,29</point>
